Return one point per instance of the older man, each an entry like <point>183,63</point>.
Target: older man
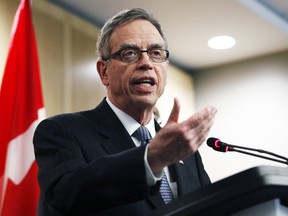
<point>115,159</point>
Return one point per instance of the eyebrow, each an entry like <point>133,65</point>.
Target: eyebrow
<point>125,46</point>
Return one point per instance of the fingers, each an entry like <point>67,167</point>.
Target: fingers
<point>174,115</point>
<point>199,125</point>
<point>203,116</point>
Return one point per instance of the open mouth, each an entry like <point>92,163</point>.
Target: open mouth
<point>145,82</point>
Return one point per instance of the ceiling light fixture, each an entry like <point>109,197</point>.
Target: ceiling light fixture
<point>221,42</point>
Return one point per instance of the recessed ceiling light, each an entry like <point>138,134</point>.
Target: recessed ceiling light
<point>221,42</point>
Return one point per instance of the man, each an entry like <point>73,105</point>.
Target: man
<point>88,161</point>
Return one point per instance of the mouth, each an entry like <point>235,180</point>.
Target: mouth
<point>147,82</point>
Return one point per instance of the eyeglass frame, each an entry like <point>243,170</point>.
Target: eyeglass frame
<point>139,51</point>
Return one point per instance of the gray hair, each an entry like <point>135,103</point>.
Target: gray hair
<point>123,17</point>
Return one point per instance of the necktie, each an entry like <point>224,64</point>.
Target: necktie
<point>143,135</point>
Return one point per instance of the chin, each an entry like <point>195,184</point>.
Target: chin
<point>146,101</point>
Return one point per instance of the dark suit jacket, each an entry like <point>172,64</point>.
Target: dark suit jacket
<point>89,165</point>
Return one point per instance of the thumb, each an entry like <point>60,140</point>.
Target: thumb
<point>174,115</point>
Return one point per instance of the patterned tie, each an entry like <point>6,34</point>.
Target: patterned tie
<point>143,135</point>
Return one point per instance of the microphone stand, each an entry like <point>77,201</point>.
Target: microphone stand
<point>234,148</point>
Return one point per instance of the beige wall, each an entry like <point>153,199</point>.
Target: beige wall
<point>66,49</point>
<point>252,101</point>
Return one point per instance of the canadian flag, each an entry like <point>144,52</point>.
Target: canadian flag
<point>21,109</point>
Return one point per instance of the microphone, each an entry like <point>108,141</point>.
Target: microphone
<point>218,145</point>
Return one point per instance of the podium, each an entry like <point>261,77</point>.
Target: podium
<point>261,190</point>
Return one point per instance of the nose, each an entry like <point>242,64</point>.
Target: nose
<point>144,55</point>
<point>144,62</point>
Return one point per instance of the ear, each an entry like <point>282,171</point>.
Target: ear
<point>101,69</point>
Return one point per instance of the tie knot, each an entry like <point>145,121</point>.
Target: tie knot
<point>143,135</point>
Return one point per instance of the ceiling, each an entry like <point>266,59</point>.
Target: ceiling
<point>260,27</point>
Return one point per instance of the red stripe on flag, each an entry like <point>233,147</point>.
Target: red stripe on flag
<point>20,100</point>
<point>15,203</point>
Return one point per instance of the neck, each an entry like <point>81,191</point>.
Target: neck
<point>142,115</point>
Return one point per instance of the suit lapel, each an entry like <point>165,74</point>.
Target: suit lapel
<point>116,137</point>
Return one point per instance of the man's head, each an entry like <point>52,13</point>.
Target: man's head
<point>103,45</point>
<point>133,62</point>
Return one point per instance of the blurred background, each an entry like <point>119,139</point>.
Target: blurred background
<point>247,83</point>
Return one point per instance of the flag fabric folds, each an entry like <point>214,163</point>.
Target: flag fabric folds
<point>21,109</point>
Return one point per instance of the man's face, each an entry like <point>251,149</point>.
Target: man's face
<point>139,84</point>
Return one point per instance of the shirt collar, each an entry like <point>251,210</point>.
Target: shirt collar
<point>129,123</point>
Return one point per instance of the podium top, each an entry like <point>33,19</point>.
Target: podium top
<point>227,196</point>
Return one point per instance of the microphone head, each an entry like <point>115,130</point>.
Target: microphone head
<point>217,145</point>
<point>211,141</point>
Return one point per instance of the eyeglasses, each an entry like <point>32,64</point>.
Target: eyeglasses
<point>132,55</point>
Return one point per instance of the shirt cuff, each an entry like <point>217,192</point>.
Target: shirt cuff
<point>151,177</point>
